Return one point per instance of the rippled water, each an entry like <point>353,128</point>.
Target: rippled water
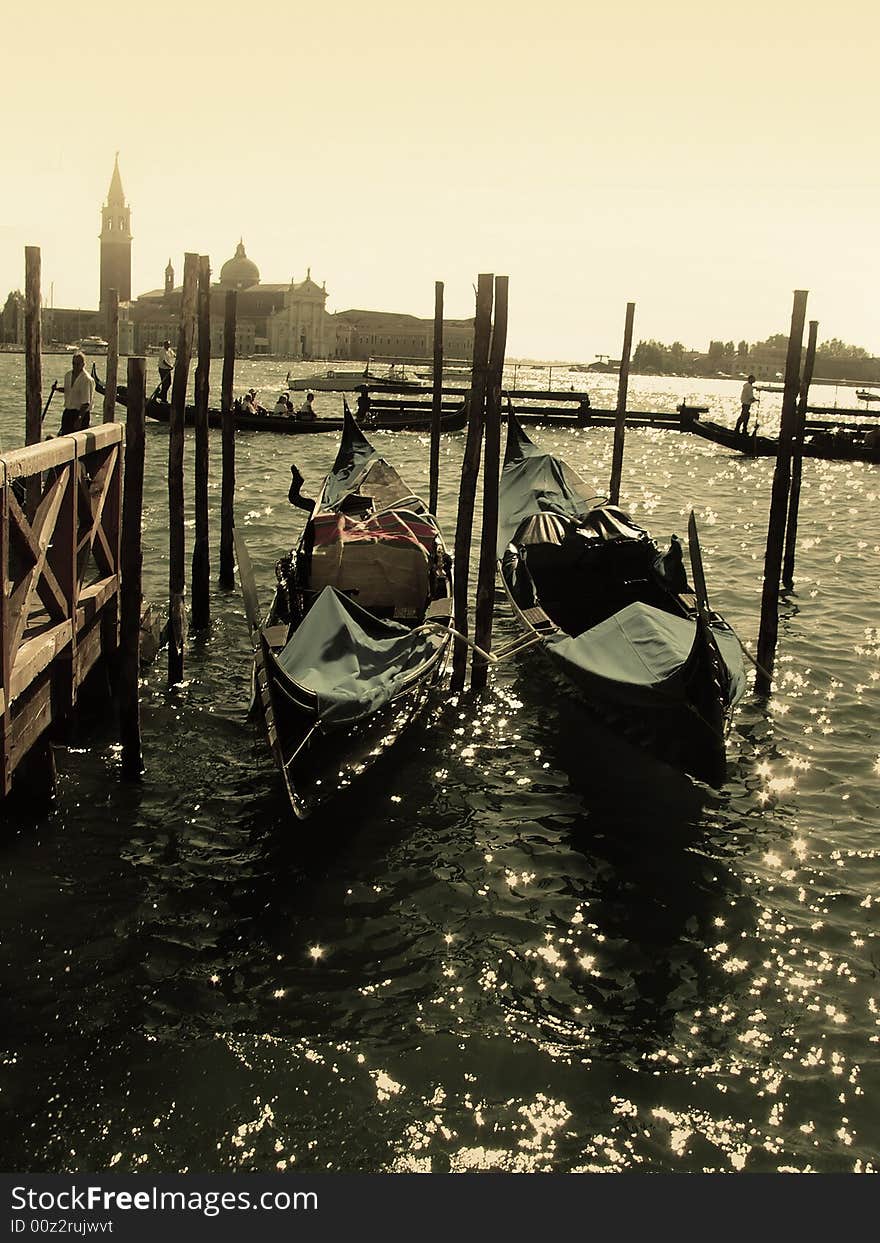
<point>516,946</point>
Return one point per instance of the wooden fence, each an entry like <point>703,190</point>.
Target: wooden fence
<point>60,512</point>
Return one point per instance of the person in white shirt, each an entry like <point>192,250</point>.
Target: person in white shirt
<point>79,390</point>
<point>280,405</point>
<point>307,409</point>
<point>166,366</point>
<point>747,398</point>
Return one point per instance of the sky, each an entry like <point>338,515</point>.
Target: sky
<point>698,159</point>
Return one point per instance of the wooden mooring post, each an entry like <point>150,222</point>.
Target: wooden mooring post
<point>227,484</point>
<point>112,376</point>
<point>491,464</point>
<point>470,469</point>
<point>33,364</point>
<point>620,421</point>
<point>794,498</point>
<point>176,550</point>
<point>436,401</point>
<point>132,569</point>
<point>769,626</point>
<point>201,559</point>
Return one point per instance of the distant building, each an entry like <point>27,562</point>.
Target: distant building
<point>283,319</point>
<point>115,243</point>
<point>385,334</point>
<point>69,325</point>
<point>288,320</point>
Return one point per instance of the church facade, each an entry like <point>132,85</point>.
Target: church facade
<point>287,320</point>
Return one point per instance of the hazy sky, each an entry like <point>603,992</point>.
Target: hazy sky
<point>702,160</point>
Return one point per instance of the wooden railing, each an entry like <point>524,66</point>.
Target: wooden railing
<point>60,511</point>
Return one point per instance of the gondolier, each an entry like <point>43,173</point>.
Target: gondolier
<point>166,366</point>
<point>79,389</point>
<point>747,398</point>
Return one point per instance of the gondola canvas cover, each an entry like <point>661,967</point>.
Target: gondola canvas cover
<point>639,651</point>
<point>353,662</point>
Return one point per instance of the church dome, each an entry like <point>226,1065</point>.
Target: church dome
<point>239,272</point>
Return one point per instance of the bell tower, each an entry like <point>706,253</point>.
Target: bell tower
<point>115,242</point>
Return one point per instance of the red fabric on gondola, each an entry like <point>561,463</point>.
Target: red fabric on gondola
<point>386,528</point>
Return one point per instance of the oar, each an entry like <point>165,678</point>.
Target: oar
<point>48,399</point>
<point>248,583</point>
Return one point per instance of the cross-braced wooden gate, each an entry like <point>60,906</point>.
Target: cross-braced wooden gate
<point>60,508</point>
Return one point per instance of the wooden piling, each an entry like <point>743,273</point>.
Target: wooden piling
<point>176,552</point>
<point>33,342</point>
<point>227,486</point>
<point>470,469</point>
<point>201,559</point>
<point>620,422</point>
<point>131,572</point>
<point>491,465</point>
<point>33,366</point>
<point>769,626</point>
<point>794,498</point>
<point>110,380</point>
<point>436,401</point>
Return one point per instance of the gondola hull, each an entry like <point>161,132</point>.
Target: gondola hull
<point>613,617</point>
<point>829,446</point>
<point>318,762</point>
<point>289,425</point>
<point>337,680</point>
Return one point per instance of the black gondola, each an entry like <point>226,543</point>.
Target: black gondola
<point>359,628</point>
<point>636,644</point>
<point>829,443</point>
<point>288,425</point>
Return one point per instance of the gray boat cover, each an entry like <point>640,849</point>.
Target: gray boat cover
<point>538,483</point>
<point>640,652</point>
<point>352,661</point>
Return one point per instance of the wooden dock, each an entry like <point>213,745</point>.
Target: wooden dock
<point>552,407</point>
<point>60,567</point>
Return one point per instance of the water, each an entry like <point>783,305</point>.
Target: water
<point>514,947</point>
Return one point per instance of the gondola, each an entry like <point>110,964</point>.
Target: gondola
<point>831,444</point>
<point>634,644</point>
<point>288,425</point>
<point>359,628</point>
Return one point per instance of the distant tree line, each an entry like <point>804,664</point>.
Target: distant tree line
<point>729,357</point>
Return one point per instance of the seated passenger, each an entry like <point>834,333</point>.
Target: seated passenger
<point>280,406</point>
<point>306,411</point>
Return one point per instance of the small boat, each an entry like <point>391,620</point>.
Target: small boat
<point>289,425</point>
<point>339,380</point>
<point>864,394</point>
<point>93,345</point>
<point>359,628</point>
<point>769,388</point>
<point>829,443</point>
<point>634,644</point>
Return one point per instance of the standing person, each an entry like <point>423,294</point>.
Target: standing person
<point>166,365</point>
<point>306,411</point>
<point>364,405</point>
<point>747,398</point>
<point>79,390</point>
